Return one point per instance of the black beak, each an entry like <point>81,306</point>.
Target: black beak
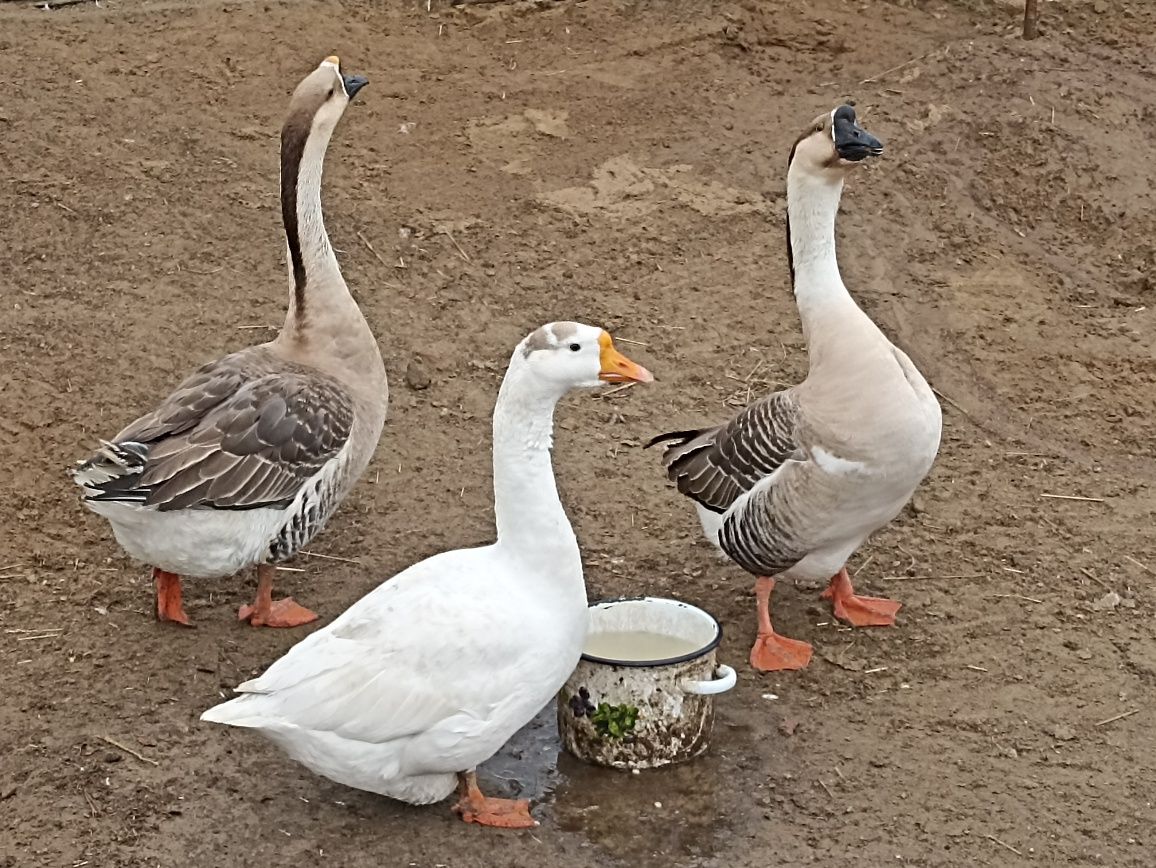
<point>852,142</point>
<point>353,83</point>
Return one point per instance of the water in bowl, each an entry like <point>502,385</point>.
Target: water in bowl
<point>637,645</point>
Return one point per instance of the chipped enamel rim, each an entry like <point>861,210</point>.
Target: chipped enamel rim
<point>707,619</point>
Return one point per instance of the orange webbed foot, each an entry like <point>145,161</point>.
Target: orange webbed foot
<point>859,611</point>
<point>775,653</point>
<point>772,652</point>
<point>866,611</point>
<point>474,807</point>
<point>281,613</point>
<point>499,813</point>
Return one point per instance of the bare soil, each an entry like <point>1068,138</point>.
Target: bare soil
<point>621,163</point>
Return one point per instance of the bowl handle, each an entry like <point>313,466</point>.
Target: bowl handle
<point>725,678</point>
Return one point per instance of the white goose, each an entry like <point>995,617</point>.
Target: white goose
<point>243,464</point>
<point>798,480</point>
<point>431,673</point>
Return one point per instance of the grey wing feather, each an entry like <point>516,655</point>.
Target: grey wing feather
<point>758,537</point>
<point>714,466</point>
<point>237,434</point>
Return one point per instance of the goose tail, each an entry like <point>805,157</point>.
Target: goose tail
<point>112,471</point>
<point>680,445</point>
<point>683,437</point>
<point>233,712</point>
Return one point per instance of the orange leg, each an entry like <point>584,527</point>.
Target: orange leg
<point>168,590</point>
<point>856,610</point>
<point>473,807</point>
<point>772,652</point>
<point>266,613</point>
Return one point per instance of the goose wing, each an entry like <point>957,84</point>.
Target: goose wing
<point>379,673</point>
<point>715,466</point>
<point>237,434</point>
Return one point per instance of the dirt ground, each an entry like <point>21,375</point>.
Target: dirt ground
<point>621,163</point>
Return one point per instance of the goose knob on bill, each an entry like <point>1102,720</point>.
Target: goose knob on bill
<point>243,464</point>
<point>797,481</point>
<point>432,672</point>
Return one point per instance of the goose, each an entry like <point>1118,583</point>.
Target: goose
<point>431,672</point>
<point>247,459</point>
<point>796,482</point>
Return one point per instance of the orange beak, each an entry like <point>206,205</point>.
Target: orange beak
<point>616,368</point>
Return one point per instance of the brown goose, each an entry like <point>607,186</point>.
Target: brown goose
<point>243,464</point>
<point>798,480</point>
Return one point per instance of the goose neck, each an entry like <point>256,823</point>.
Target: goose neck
<point>527,509</point>
<point>319,294</point>
<point>812,205</point>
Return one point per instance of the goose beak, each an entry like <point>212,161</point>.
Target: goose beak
<point>353,83</point>
<point>852,142</point>
<point>616,368</point>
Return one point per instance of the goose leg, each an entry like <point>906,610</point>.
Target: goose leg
<point>772,652</point>
<point>473,807</point>
<point>856,610</point>
<point>266,613</point>
<point>168,592</point>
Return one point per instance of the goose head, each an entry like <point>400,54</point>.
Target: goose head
<point>570,355</point>
<point>322,97</point>
<point>833,144</point>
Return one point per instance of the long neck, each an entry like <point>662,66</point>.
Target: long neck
<point>319,291</point>
<point>812,204</point>
<point>527,509</point>
<point>323,323</point>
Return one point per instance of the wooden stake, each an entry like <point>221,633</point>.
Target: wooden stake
<point>1031,19</point>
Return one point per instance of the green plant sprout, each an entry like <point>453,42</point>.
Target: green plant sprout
<point>614,721</point>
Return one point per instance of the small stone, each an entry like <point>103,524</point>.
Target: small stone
<point>1084,654</point>
<point>416,375</point>
<point>112,757</point>
<point>1062,731</point>
<point>1107,602</point>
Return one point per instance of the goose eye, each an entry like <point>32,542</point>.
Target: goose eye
<point>575,347</point>
<point>332,91</point>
